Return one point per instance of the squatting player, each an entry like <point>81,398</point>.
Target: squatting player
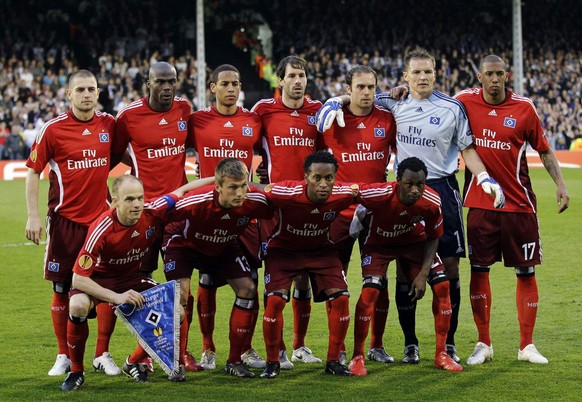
<point>405,224</point>
<point>301,245</point>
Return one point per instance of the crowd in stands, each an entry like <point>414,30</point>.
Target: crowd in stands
<point>120,40</point>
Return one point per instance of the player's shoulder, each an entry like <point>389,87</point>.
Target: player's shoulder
<point>196,196</point>
<point>468,94</point>
<point>249,114</point>
<point>104,116</point>
<point>130,109</point>
<point>445,100</point>
<point>381,110</point>
<point>255,195</point>
<point>522,101</point>
<point>103,224</point>
<point>183,104</point>
<point>286,188</point>
<point>431,198</point>
<point>371,190</point>
<point>52,124</point>
<point>312,104</point>
<point>263,104</point>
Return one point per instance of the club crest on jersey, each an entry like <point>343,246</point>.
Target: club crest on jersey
<point>329,216</point>
<point>182,126</point>
<point>243,221</point>
<point>85,261</point>
<point>509,122</point>
<point>170,266</point>
<point>434,120</point>
<point>379,132</point>
<point>311,120</point>
<point>104,137</point>
<point>367,260</point>
<point>53,266</point>
<point>150,232</point>
<point>267,278</point>
<point>247,131</point>
<point>416,219</point>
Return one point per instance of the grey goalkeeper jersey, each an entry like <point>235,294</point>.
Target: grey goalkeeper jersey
<point>433,129</point>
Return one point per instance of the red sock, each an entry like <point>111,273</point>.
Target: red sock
<point>239,328</point>
<point>338,321</point>
<point>526,298</point>
<point>273,326</point>
<point>249,342</point>
<point>184,326</point>
<point>441,310</point>
<point>60,316</point>
<point>379,319</point>
<point>105,325</point>
<point>188,314</point>
<point>363,316</point>
<point>138,355</point>
<point>77,335</point>
<point>206,307</point>
<point>301,315</point>
<point>480,294</point>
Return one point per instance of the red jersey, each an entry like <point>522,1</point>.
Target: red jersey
<point>78,155</point>
<point>113,251</point>
<point>362,148</point>
<point>217,136</point>
<point>289,136</point>
<point>395,224</point>
<point>209,227</point>
<point>502,133</point>
<point>157,143</point>
<point>304,225</point>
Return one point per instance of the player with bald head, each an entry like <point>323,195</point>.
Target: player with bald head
<point>153,132</point>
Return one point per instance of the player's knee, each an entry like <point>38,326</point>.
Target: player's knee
<point>206,281</point>
<point>244,303</point>
<point>340,294</point>
<point>525,271</point>
<point>437,277</point>
<point>61,288</point>
<point>76,319</point>
<point>480,268</point>
<point>374,281</point>
<point>302,294</point>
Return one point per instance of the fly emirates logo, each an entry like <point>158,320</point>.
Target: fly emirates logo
<point>169,148</point>
<point>133,255</point>
<point>487,140</point>
<point>294,139</point>
<point>363,153</point>
<point>226,150</point>
<point>397,231</point>
<point>308,230</point>
<point>90,160</point>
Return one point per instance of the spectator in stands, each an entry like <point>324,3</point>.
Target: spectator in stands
<point>14,145</point>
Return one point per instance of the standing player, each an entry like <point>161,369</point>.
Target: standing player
<point>76,145</point>
<point>289,136</point>
<point>405,224</point>
<point>504,125</point>
<point>225,131</point>
<point>215,218</point>
<point>108,270</point>
<point>154,132</point>
<point>362,147</point>
<point>433,127</point>
<point>302,246</point>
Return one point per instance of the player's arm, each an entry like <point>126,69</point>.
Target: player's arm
<point>553,167</point>
<point>487,183</point>
<point>33,224</point>
<point>418,287</point>
<point>89,286</point>
<point>194,184</point>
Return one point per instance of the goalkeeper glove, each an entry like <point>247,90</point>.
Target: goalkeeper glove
<point>330,111</point>
<point>491,187</point>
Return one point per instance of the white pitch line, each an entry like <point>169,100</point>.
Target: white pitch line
<point>28,243</point>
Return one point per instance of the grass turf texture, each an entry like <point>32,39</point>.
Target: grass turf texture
<point>28,346</point>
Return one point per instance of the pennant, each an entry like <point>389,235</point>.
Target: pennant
<point>156,325</point>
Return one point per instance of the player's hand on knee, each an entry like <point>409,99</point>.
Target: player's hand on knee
<point>417,289</point>
<point>491,187</point>
<point>330,111</point>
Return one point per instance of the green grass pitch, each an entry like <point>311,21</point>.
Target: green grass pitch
<point>28,347</point>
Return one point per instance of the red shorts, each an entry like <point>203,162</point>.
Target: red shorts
<point>250,242</point>
<point>65,239</point>
<point>323,267</point>
<point>375,261</point>
<point>494,235</point>
<point>232,263</point>
<point>138,283</point>
<point>340,234</point>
